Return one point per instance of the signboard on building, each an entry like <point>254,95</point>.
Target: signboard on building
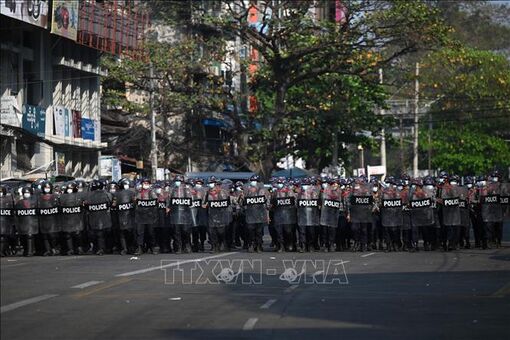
<point>76,123</point>
<point>65,18</point>
<point>60,163</point>
<point>32,12</point>
<point>34,119</point>
<point>10,114</point>
<point>63,121</point>
<point>87,129</point>
<point>109,166</point>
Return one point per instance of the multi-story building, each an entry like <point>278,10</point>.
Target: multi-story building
<point>50,82</point>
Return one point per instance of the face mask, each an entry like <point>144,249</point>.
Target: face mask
<point>400,187</point>
<point>126,186</point>
<point>482,183</point>
<point>280,185</point>
<point>253,183</point>
<point>80,189</point>
<point>453,183</point>
<point>158,191</point>
<point>413,186</point>
<point>375,189</point>
<point>145,186</point>
<point>113,190</point>
<point>1,194</point>
<point>39,187</point>
<point>69,191</point>
<point>167,189</point>
<point>441,180</point>
<point>406,182</point>
<point>211,185</point>
<point>324,185</point>
<point>495,179</point>
<point>47,190</point>
<point>469,186</point>
<point>305,187</point>
<point>342,187</point>
<point>429,186</point>
<point>177,183</point>
<point>356,187</point>
<point>239,188</point>
<point>26,195</point>
<point>198,185</point>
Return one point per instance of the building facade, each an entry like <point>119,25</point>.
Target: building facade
<point>50,84</point>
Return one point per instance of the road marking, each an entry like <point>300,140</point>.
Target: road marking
<point>102,287</point>
<point>341,262</point>
<point>268,304</point>
<point>503,291</point>
<point>369,254</point>
<point>14,265</point>
<point>290,289</point>
<point>72,258</point>
<point>22,303</point>
<point>250,323</point>
<point>318,272</point>
<point>173,264</point>
<point>86,284</point>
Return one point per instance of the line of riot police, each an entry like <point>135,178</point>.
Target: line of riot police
<point>310,214</point>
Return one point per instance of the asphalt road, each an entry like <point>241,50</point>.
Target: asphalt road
<point>425,295</point>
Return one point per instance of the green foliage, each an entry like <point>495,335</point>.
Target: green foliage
<point>466,150</point>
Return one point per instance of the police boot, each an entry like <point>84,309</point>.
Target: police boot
<point>155,250</point>
<point>123,244</point>
<point>3,246</point>
<point>69,244</point>
<point>47,247</point>
<point>29,251</point>
<point>380,246</point>
<point>138,251</point>
<point>100,244</point>
<point>299,248</point>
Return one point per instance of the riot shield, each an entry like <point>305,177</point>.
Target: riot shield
<point>71,212</point>
<point>27,219</point>
<point>98,207</point>
<point>284,207</point>
<point>180,202</point>
<point>255,204</point>
<point>219,210</point>
<point>491,209</point>
<point>361,203</point>
<point>450,205</point>
<point>421,204</point>
<point>125,208</point>
<point>391,207</point>
<point>308,213</point>
<point>331,204</point>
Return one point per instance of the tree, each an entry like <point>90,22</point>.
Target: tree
<point>296,48</point>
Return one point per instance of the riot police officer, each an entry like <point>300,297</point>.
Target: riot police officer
<point>179,202</point>
<point>360,212</point>
<point>98,204</point>
<point>255,201</point>
<point>284,215</point>
<point>491,212</point>
<point>308,215</point>
<point>421,199</point>
<point>391,213</point>
<point>71,206</point>
<point>449,201</point>
<point>331,196</point>
<point>219,213</point>
<point>146,215</point>
<point>198,215</point>
<point>124,201</point>
<point>27,220</point>
<point>6,219</point>
<point>49,222</point>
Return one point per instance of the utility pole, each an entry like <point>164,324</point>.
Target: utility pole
<point>154,145</point>
<point>383,133</point>
<point>416,111</point>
